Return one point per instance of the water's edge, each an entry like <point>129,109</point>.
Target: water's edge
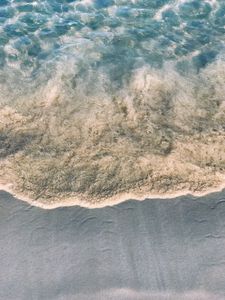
<point>115,200</point>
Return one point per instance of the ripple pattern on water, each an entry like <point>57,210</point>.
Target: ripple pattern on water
<point>149,32</point>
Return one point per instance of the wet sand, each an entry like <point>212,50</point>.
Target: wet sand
<point>162,249</point>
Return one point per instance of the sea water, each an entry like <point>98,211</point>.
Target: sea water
<point>104,97</point>
<point>114,36</point>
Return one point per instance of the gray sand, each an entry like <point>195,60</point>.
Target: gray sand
<point>155,249</point>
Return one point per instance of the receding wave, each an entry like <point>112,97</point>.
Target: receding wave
<point>82,137</point>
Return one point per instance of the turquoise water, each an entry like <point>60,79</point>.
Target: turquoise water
<point>114,35</point>
<point>103,97</point>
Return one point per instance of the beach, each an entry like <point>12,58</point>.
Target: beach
<point>153,249</point>
<point>112,150</point>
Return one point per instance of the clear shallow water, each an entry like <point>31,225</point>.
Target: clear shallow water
<point>116,35</point>
<point>105,97</point>
<point>151,250</point>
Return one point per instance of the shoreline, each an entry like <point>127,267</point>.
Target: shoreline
<point>114,200</point>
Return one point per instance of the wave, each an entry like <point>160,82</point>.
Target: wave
<point>78,135</point>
